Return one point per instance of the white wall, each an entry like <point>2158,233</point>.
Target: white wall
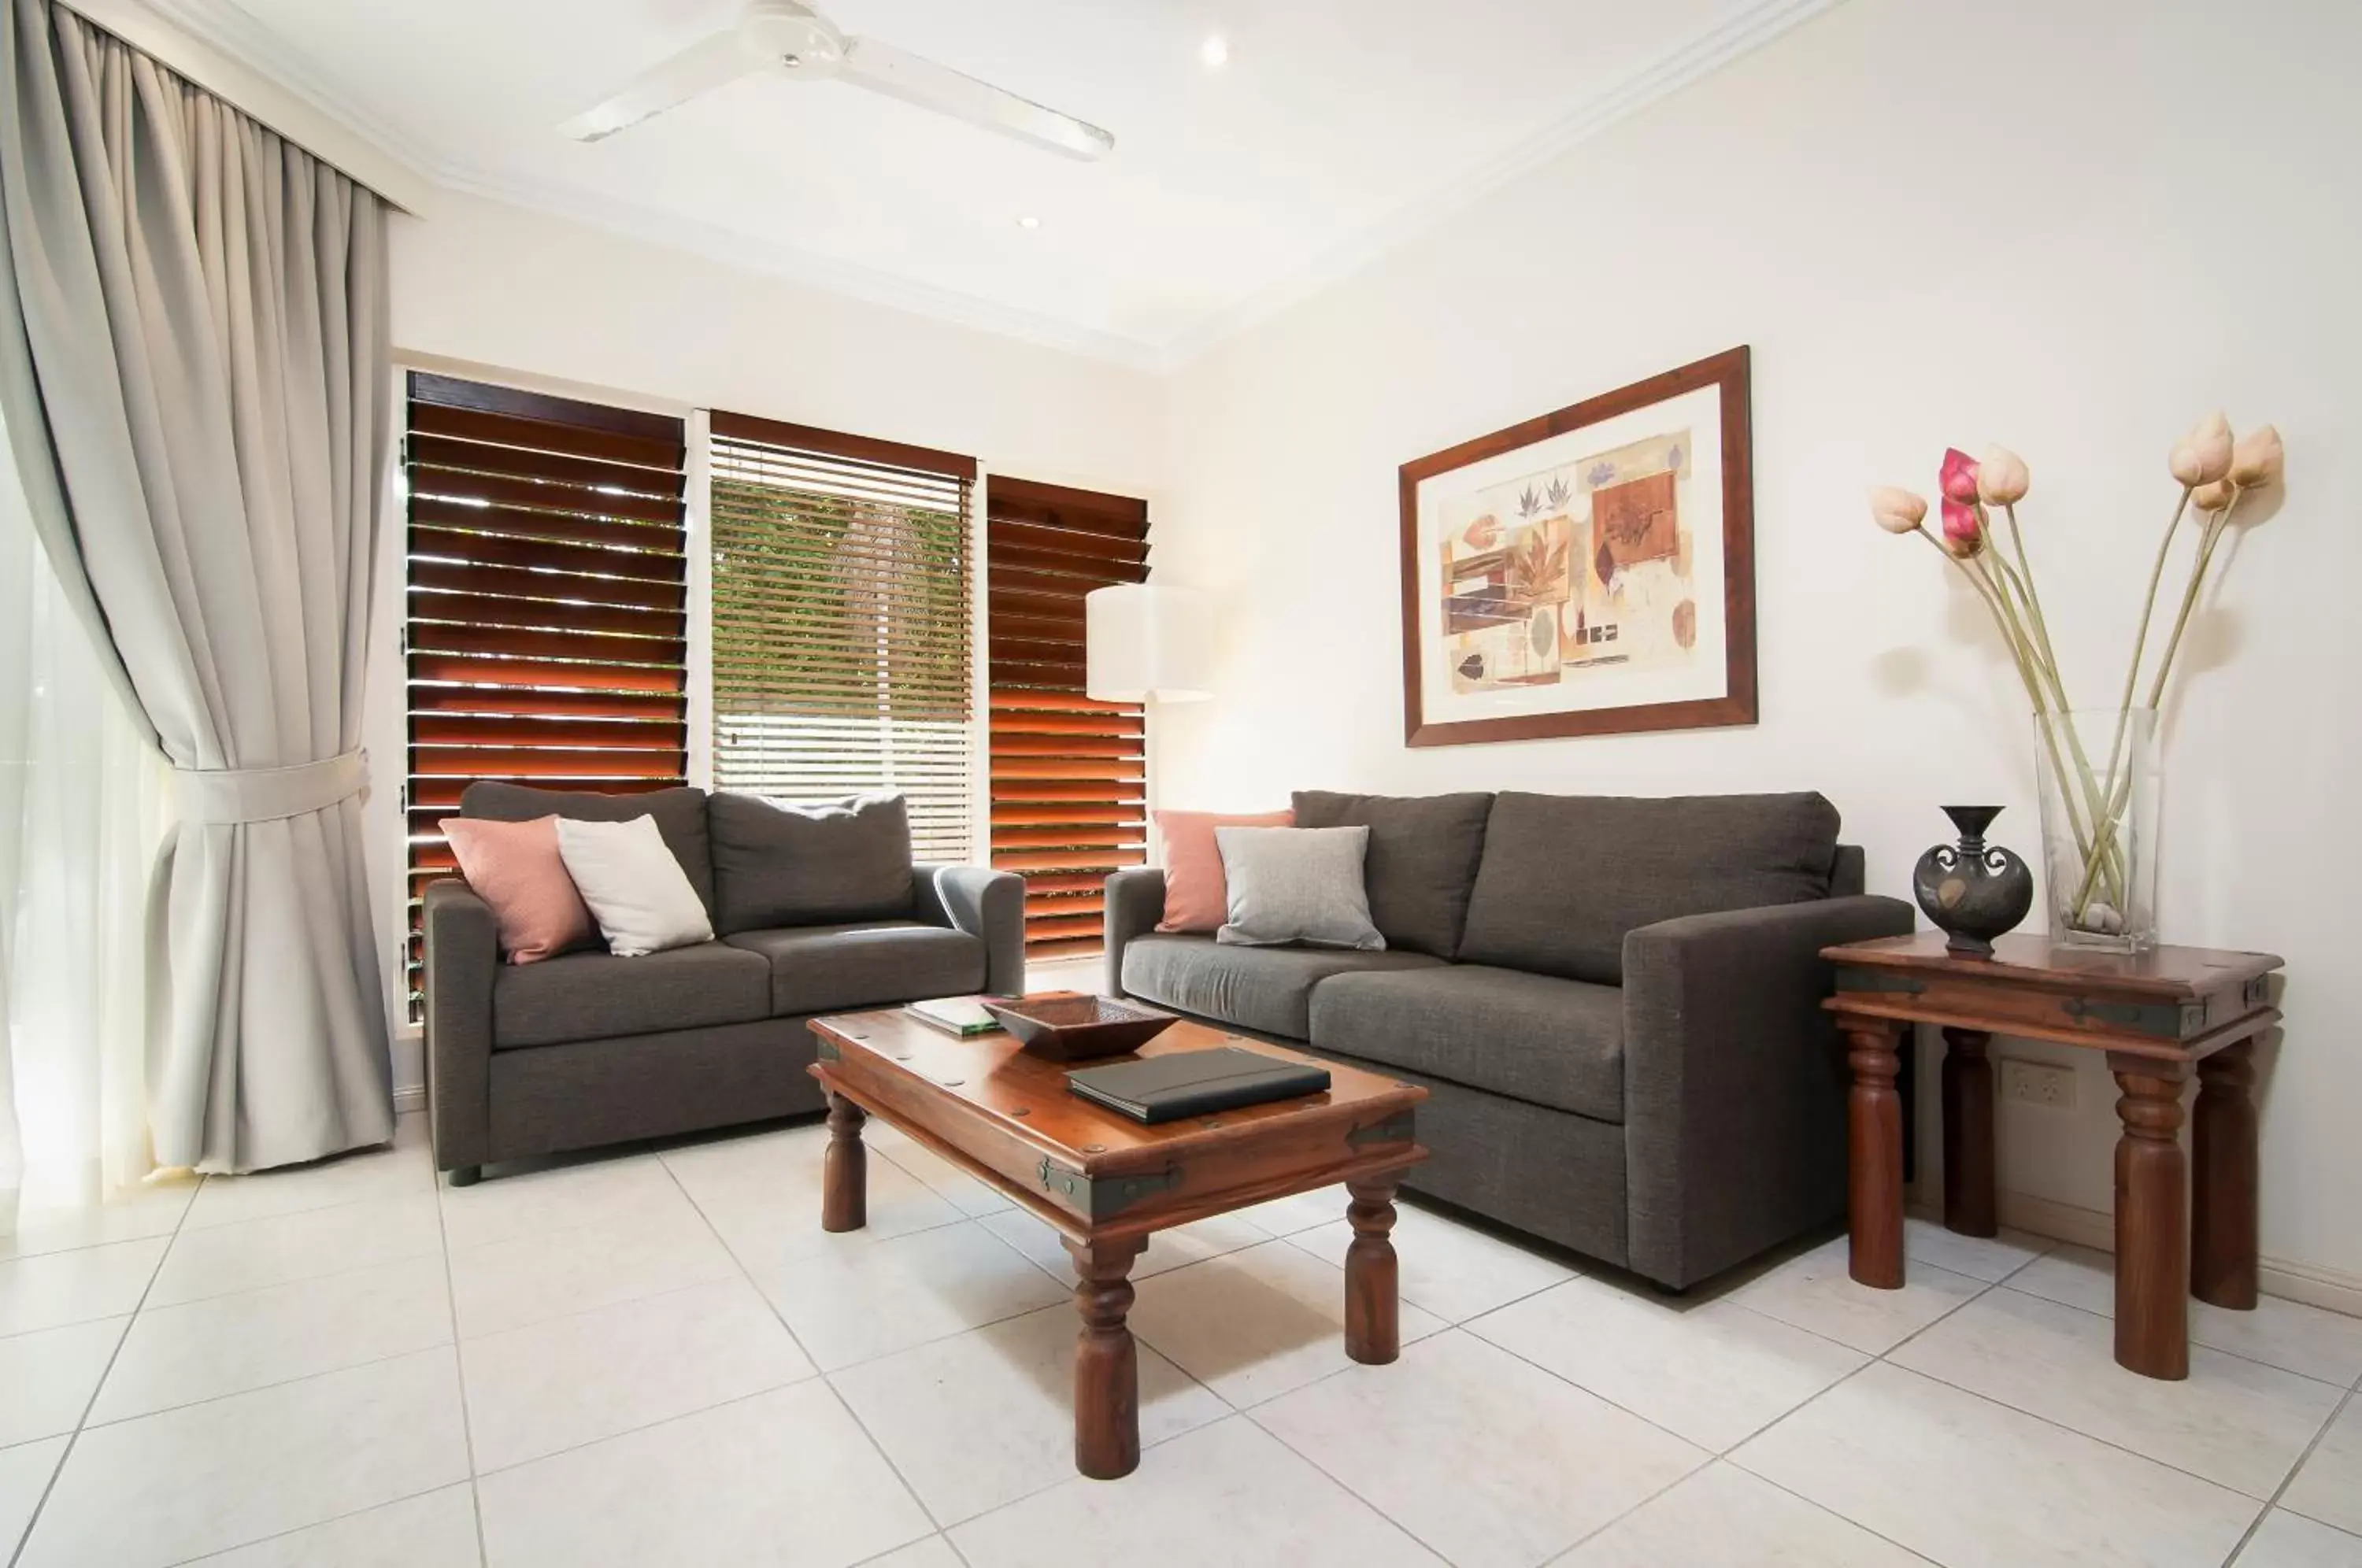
<point>517,294</point>
<point>1937,221</point>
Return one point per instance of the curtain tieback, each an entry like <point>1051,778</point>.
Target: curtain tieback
<point>266,794</point>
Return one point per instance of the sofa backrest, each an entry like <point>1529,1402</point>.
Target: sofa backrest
<point>1422,860</point>
<point>680,814</point>
<point>1565,876</point>
<point>807,864</point>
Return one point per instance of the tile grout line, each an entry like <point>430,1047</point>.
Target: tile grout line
<point>460,1370</point>
<point>2295,1470</point>
<point>48,1488</point>
<point>819,1374</point>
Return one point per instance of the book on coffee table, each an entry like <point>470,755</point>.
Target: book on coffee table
<point>955,1015</point>
<point>1195,1083</point>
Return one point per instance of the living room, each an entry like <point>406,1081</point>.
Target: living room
<point>1631,1226</point>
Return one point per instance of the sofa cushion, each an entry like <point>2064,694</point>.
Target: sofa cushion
<point>1263,988</point>
<point>1565,876</point>
<point>680,814</point>
<point>591,995</point>
<point>1532,1037</point>
<point>829,969</point>
<point>806,865</point>
<point>1422,861</point>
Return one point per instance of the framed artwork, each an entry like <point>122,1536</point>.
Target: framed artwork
<point>1588,572</point>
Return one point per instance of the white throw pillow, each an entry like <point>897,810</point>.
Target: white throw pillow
<point>636,890</point>
<point>1292,884</point>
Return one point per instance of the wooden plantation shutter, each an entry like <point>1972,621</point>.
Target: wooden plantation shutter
<point>1070,775</point>
<point>840,599</point>
<point>548,603</point>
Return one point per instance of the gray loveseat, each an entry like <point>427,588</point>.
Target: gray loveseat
<point>585,1049</point>
<point>1613,1004</point>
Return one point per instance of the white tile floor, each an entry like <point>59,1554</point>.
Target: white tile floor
<point>659,1358</point>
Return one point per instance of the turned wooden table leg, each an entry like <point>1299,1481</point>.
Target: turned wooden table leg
<point>1874,1154</point>
<point>844,1169</point>
<point>2223,1189</point>
<point>1372,1303</point>
<point>2152,1222</point>
<point>1107,1363</point>
<point>1968,1206</point>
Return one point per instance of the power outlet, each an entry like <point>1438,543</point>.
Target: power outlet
<point>2037,1083</point>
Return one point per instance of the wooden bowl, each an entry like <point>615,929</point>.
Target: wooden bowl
<point>1074,1026</point>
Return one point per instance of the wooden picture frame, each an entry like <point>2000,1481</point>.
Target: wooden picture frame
<point>1487,646</point>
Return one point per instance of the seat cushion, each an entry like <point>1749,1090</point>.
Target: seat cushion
<point>593,996</point>
<point>776,866</point>
<point>1532,1037</point>
<point>680,814</point>
<point>1565,876</point>
<point>1263,988</point>
<point>1424,851</point>
<point>829,969</point>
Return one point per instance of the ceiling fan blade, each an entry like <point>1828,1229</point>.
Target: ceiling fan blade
<point>897,73</point>
<point>700,68</point>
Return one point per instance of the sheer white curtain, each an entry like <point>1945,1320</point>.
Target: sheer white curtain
<point>84,804</point>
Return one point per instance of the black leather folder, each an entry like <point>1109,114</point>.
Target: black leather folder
<point>1195,1083</point>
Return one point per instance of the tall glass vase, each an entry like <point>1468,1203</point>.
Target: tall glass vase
<point>2100,786</point>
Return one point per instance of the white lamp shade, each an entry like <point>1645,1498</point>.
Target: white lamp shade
<point>1147,642</point>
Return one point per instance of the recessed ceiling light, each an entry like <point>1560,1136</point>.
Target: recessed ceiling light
<point>1028,220</point>
<point>1215,51</point>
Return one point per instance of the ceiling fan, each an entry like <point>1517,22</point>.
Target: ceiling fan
<point>797,41</point>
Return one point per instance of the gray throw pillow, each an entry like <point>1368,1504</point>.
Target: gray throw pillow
<point>1296,885</point>
<point>809,865</point>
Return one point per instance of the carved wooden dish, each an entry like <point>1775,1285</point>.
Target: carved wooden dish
<point>1074,1026</point>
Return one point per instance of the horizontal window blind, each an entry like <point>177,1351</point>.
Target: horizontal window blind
<point>842,584</point>
<point>1070,775</point>
<point>548,601</point>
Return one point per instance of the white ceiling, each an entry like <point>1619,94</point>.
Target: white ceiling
<point>1338,126</point>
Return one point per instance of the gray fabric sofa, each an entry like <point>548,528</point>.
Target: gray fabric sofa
<point>1613,1004</point>
<point>585,1049</point>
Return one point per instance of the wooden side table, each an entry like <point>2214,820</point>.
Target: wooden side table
<point>2161,1016</point>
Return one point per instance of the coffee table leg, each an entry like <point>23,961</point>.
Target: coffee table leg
<point>1107,1365</point>
<point>2222,1145</point>
<point>1372,1330</point>
<point>2152,1223</point>
<point>1874,1154</point>
<point>844,1170</point>
<point>1969,1133</point>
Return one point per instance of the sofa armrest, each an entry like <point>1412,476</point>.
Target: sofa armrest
<point>984,903</point>
<point>1135,902</point>
<point>1734,1090</point>
<point>463,958</point>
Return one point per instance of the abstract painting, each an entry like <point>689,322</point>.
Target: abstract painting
<point>1588,572</point>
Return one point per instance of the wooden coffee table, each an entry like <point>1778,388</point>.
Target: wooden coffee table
<point>1106,1183</point>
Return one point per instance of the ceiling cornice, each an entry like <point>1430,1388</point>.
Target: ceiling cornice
<point>229,28</point>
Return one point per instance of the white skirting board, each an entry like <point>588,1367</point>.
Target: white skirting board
<point>408,1098</point>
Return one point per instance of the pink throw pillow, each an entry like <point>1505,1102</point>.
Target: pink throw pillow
<point>516,868</point>
<point>1195,895</point>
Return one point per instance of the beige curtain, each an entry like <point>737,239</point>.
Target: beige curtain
<point>195,372</point>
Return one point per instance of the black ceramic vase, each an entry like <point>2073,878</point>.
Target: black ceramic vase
<point>1972,892</point>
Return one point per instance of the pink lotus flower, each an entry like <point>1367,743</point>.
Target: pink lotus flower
<point>2212,497</point>
<point>1963,535</point>
<point>1897,510</point>
<point>2256,459</point>
<point>1959,476</point>
<point>2204,455</point>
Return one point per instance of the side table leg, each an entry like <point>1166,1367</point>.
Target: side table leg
<point>2223,1190</point>
<point>1874,1154</point>
<point>1968,1207</point>
<point>844,1169</point>
<point>1107,1363</point>
<point>2152,1223</point>
<point>1372,1303</point>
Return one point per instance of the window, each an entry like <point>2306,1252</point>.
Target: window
<point>841,573</point>
<point>546,602</point>
<point>1070,775</point>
